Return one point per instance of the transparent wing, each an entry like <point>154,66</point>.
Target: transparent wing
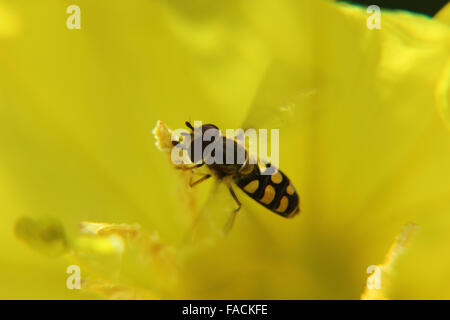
<point>284,93</point>
<point>215,217</point>
<point>286,100</point>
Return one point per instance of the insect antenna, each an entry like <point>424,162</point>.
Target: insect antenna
<point>189,125</point>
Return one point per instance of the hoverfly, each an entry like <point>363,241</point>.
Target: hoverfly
<point>261,181</point>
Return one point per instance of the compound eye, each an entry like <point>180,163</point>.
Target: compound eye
<point>210,130</point>
<point>208,127</point>
<point>212,135</point>
<point>195,155</point>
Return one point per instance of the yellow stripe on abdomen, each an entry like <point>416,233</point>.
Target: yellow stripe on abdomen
<point>269,194</point>
<point>252,186</point>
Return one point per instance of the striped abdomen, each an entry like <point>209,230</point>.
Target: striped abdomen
<point>274,192</point>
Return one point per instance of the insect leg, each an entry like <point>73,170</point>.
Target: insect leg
<point>232,217</point>
<point>193,184</point>
<point>235,199</point>
<point>185,168</point>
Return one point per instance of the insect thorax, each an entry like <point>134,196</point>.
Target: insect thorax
<point>229,161</point>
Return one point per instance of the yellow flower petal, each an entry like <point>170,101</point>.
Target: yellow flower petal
<point>379,282</point>
<point>444,14</point>
<point>368,149</point>
<point>10,23</point>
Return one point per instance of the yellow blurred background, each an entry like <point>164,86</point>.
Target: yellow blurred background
<point>368,147</point>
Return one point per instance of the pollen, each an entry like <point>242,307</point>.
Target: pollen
<point>163,136</point>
